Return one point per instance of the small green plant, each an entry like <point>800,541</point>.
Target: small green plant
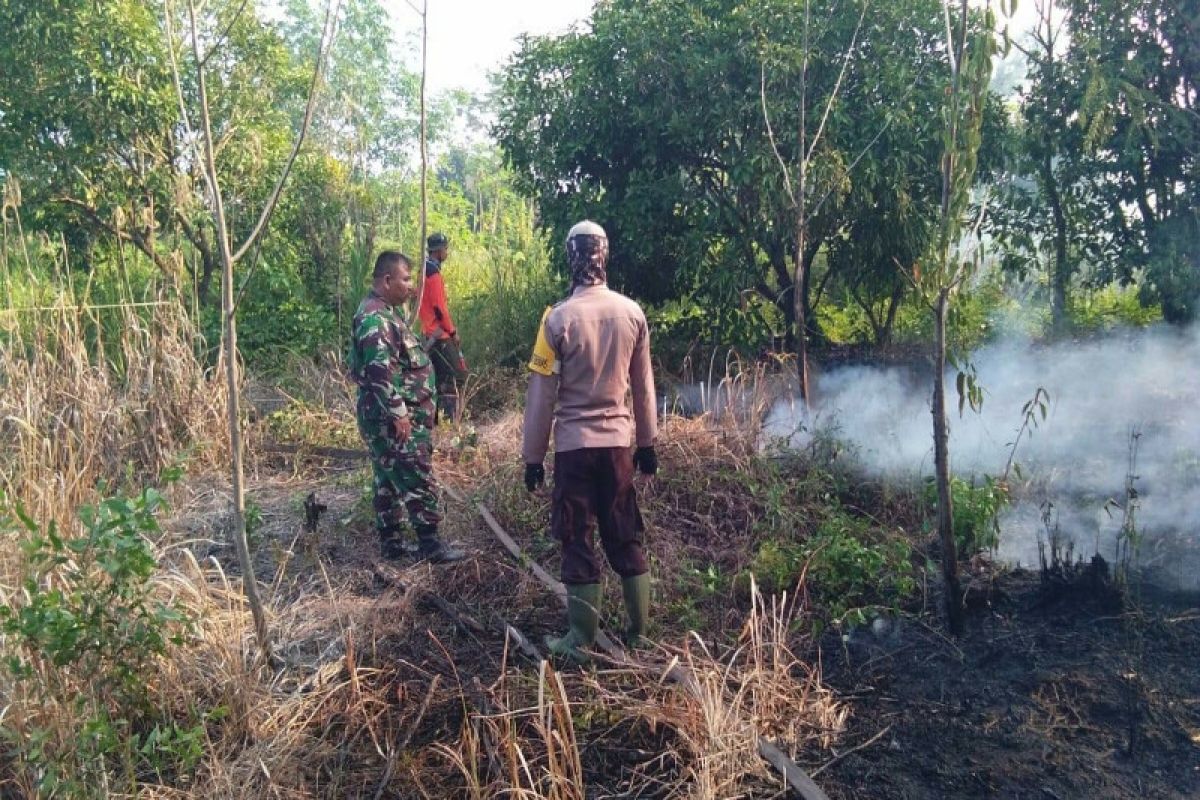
<point>464,444</point>
<point>777,565</point>
<point>85,633</point>
<point>854,570</point>
<point>695,585</point>
<point>303,423</point>
<point>977,506</point>
<point>254,522</point>
<point>851,568</point>
<point>1129,538</point>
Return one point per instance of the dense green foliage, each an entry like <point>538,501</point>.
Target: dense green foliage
<point>94,153</point>
<point>1105,186</point>
<point>686,146</point>
<point>676,145</point>
<point>86,616</point>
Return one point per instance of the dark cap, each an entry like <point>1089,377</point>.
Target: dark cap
<point>437,241</point>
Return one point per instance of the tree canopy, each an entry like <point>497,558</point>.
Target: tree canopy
<point>668,122</point>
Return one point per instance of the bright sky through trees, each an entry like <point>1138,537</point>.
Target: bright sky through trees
<point>470,38</point>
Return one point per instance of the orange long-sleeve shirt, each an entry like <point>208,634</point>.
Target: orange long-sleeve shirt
<point>435,311</point>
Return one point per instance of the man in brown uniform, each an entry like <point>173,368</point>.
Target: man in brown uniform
<point>592,348</point>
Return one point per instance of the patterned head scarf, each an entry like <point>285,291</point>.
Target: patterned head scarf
<point>587,254</point>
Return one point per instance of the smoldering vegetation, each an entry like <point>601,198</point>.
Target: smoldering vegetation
<point>1119,444</point>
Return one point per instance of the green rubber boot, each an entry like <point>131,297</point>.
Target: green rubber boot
<point>583,618</point>
<point>637,604</point>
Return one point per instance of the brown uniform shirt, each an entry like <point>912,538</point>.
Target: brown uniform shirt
<point>593,350</point>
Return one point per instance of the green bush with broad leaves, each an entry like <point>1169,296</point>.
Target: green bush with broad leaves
<point>848,567</point>
<point>977,507</point>
<point>84,638</point>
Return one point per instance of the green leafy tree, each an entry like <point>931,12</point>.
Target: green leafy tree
<point>86,119</point>
<point>90,124</point>
<point>1137,63</point>
<point>1104,185</point>
<point>1046,196</point>
<point>666,140</point>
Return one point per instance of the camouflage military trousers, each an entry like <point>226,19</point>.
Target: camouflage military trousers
<point>404,480</point>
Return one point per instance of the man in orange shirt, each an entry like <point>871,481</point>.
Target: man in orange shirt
<point>441,335</point>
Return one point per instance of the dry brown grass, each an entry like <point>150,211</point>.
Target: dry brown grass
<point>692,715</point>
<point>69,416</point>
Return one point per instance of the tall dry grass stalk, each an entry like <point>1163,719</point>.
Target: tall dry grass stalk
<point>92,395</point>
<point>70,415</point>
<point>699,712</point>
<point>719,705</point>
<point>521,751</point>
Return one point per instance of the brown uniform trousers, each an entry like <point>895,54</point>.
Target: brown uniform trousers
<point>593,487</point>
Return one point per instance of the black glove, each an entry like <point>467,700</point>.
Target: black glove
<point>535,476</point>
<point>646,460</point>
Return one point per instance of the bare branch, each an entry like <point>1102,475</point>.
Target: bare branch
<point>787,175</point>
<point>838,85</point>
<point>912,281</point>
<point>220,42</point>
<point>135,237</point>
<point>949,39</point>
<point>862,154</point>
<point>169,13</point>
<point>326,42</point>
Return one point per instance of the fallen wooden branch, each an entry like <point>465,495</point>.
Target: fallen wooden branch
<point>412,729</point>
<point>527,647</point>
<point>553,584</point>
<point>839,756</point>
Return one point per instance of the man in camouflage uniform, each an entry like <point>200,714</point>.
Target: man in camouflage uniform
<point>396,410</point>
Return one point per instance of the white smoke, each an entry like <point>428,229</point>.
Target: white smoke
<point>1100,393</point>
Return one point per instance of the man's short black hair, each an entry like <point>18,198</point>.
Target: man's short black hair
<point>387,261</point>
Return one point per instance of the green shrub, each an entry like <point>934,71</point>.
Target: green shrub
<point>275,317</point>
<point>1109,307</point>
<point>851,568</point>
<point>683,330</point>
<point>854,569</point>
<point>84,639</point>
<point>977,508</point>
<point>306,423</point>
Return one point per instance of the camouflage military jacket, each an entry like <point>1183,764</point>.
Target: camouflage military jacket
<point>394,374</point>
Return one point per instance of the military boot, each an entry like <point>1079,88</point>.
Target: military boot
<point>431,548</point>
<point>583,618</point>
<point>392,545</point>
<point>637,605</point>
<point>449,404</point>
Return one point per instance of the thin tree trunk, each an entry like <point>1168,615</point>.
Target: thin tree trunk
<point>1062,270</point>
<point>237,477</point>
<point>422,249</point>
<point>798,300</point>
<point>889,325</point>
<point>941,426</point>
<point>941,460</point>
